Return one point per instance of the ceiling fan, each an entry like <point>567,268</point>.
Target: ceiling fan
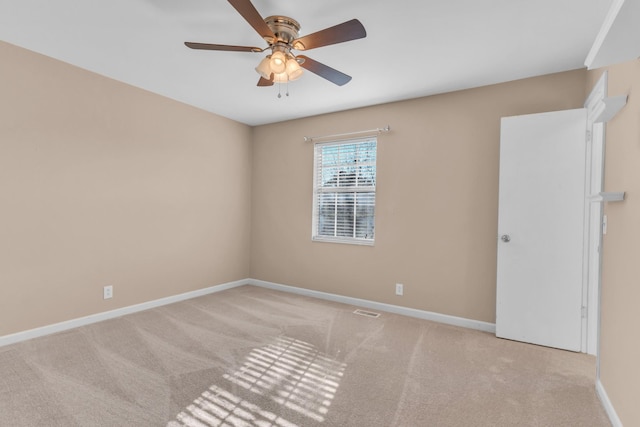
<point>281,34</point>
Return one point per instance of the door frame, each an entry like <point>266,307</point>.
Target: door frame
<point>600,109</point>
<point>594,183</point>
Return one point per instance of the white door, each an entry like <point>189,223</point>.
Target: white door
<point>540,228</point>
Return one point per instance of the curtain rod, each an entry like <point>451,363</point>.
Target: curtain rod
<point>370,131</point>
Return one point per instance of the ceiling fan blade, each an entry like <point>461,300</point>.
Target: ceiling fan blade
<point>209,46</point>
<point>350,30</point>
<point>251,15</point>
<point>264,82</point>
<point>324,71</point>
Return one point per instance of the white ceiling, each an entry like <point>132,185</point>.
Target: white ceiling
<point>413,48</point>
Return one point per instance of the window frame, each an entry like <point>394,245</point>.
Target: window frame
<point>318,189</point>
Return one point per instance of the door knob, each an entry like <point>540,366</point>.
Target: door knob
<point>505,238</point>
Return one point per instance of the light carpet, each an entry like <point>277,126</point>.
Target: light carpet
<point>250,356</point>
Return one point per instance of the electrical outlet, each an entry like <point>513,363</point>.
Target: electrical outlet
<point>108,292</point>
<point>399,289</point>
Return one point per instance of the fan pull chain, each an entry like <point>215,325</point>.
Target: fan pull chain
<point>280,91</point>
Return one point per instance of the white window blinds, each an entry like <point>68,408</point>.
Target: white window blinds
<point>345,191</point>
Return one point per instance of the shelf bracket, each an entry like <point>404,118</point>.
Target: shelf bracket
<point>612,106</point>
<point>607,196</point>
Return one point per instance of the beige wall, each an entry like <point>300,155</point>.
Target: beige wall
<point>102,183</point>
<point>619,338</point>
<point>437,198</point>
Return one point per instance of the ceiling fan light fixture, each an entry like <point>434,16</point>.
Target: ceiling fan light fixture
<point>264,67</point>
<point>281,78</point>
<point>293,69</point>
<point>278,62</point>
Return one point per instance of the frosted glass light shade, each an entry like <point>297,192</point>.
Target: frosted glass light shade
<point>293,69</point>
<point>264,69</point>
<point>277,62</point>
<point>280,78</point>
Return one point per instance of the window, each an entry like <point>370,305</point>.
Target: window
<point>344,191</point>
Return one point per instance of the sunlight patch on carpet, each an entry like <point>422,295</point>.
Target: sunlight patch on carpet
<point>289,372</point>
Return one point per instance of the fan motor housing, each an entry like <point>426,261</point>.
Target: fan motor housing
<point>286,29</point>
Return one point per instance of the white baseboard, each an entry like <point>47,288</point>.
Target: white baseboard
<point>98,317</point>
<point>87,320</point>
<point>608,406</point>
<point>412,312</point>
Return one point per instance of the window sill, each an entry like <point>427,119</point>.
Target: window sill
<point>357,242</point>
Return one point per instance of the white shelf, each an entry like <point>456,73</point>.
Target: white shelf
<point>607,196</point>
<point>611,107</point>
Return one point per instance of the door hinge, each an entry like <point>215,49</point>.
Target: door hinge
<point>588,136</point>
<point>584,311</point>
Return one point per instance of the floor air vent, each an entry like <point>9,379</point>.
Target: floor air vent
<point>366,313</point>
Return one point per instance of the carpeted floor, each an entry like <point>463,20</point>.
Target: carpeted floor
<point>256,357</point>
